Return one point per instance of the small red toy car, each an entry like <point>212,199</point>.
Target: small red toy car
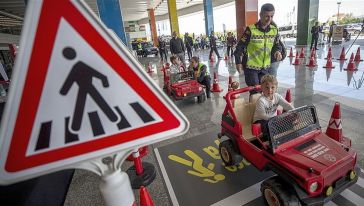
<point>183,85</point>
<point>311,167</point>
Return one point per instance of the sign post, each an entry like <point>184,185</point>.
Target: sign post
<point>77,94</point>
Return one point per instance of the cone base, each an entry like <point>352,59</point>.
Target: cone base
<point>341,59</point>
<point>358,60</point>
<point>291,56</point>
<point>353,70</point>
<point>328,67</point>
<point>307,65</point>
<point>217,90</point>
<point>144,179</point>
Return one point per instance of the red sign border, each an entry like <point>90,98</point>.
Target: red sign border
<point>49,20</point>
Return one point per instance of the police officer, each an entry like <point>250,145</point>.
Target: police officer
<point>315,35</point>
<point>202,74</point>
<point>258,43</point>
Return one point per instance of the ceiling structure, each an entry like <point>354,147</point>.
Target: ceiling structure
<point>12,11</point>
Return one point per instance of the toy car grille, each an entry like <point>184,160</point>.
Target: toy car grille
<point>292,124</point>
<point>181,76</point>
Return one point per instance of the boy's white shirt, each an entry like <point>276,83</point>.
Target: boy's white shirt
<point>266,108</point>
<point>175,68</point>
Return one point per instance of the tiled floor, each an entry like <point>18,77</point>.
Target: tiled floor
<point>316,86</point>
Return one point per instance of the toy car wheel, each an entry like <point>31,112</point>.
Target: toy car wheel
<point>227,153</point>
<point>278,193</point>
<point>201,98</point>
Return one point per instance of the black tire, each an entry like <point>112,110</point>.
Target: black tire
<point>201,98</point>
<point>228,154</point>
<point>276,192</point>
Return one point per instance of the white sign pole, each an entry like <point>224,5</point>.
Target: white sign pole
<point>115,185</point>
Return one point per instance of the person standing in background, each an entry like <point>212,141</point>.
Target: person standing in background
<point>177,48</point>
<point>189,45</point>
<point>213,47</point>
<point>331,31</point>
<point>315,35</point>
<point>162,48</point>
<point>230,42</point>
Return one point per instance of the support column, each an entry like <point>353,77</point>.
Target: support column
<point>307,15</point>
<point>153,27</point>
<point>173,17</point>
<point>246,14</point>
<point>209,16</point>
<point>110,14</point>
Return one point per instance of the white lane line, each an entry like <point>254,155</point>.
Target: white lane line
<point>360,182</point>
<point>242,197</point>
<point>166,179</point>
<point>352,197</point>
<point>331,203</point>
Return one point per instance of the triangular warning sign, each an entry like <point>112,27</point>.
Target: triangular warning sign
<point>77,94</point>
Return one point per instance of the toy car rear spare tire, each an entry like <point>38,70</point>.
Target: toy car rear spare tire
<point>278,193</point>
<point>227,153</point>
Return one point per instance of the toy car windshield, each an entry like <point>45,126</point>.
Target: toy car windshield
<point>291,125</point>
<point>182,76</point>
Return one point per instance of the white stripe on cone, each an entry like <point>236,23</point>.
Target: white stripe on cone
<point>335,123</point>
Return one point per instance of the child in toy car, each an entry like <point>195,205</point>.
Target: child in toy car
<point>268,102</point>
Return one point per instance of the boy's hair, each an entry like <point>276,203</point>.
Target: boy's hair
<point>172,58</point>
<point>269,78</point>
<point>196,59</point>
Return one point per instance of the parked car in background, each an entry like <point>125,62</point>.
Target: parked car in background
<point>353,28</point>
<point>288,31</point>
<point>147,49</point>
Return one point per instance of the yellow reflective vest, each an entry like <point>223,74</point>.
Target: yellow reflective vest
<point>259,47</point>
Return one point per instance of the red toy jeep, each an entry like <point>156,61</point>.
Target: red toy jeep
<point>311,167</point>
<point>183,85</point>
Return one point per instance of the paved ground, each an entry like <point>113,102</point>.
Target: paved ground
<point>317,86</point>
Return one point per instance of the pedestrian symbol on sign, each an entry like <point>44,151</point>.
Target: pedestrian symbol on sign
<point>82,75</point>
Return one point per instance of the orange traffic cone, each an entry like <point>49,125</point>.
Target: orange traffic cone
<point>357,56</point>
<point>302,55</point>
<point>329,55</point>
<point>291,53</point>
<point>149,69</point>
<point>145,199</point>
<point>351,57</point>
<point>334,129</point>
<point>342,55</point>
<point>297,60</point>
<point>311,63</point>
<point>329,64</point>
<point>215,85</point>
<point>313,53</point>
<point>351,66</point>
<point>288,96</point>
<point>232,85</point>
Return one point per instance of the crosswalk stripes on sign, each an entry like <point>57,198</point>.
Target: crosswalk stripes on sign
<point>96,126</point>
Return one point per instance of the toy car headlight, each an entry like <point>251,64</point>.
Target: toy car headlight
<point>313,186</point>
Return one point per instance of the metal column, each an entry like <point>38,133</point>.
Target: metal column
<point>110,14</point>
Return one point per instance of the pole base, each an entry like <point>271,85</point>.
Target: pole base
<point>144,179</point>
